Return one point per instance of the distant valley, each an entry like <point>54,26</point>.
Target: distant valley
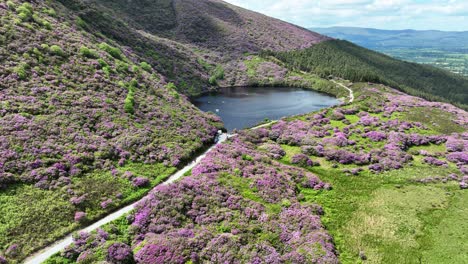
<point>443,49</point>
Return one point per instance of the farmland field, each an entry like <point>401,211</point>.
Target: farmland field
<point>451,60</point>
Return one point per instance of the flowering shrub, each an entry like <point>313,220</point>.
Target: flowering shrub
<point>368,120</point>
<point>339,139</point>
<point>140,182</point>
<point>455,144</point>
<point>458,157</point>
<point>434,161</point>
<point>80,216</point>
<point>376,135</point>
<point>106,203</point>
<point>464,182</point>
<point>345,157</point>
<point>204,217</point>
<point>157,254</point>
<point>451,177</point>
<point>12,251</point>
<point>337,115</point>
<point>274,150</point>
<point>120,253</point>
<point>302,160</point>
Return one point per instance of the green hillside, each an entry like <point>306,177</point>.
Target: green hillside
<point>346,60</point>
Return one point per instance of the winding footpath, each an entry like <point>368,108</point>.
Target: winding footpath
<point>58,246</point>
<point>351,94</point>
<point>49,251</point>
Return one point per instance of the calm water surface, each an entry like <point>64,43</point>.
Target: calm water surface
<point>242,107</point>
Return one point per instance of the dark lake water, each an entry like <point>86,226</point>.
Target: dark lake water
<point>242,107</point>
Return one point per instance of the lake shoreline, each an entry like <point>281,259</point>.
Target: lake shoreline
<point>246,106</point>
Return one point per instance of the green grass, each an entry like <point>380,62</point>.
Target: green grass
<point>290,152</point>
<point>32,217</point>
<point>243,186</point>
<point>29,214</point>
<point>252,65</point>
<point>391,218</point>
<point>338,124</point>
<point>387,227</point>
<point>352,118</point>
<point>217,74</point>
<point>446,235</point>
<point>436,120</point>
<point>156,173</point>
<point>432,148</point>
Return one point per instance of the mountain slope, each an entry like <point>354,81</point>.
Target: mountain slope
<point>180,37</point>
<point>73,109</point>
<point>188,40</point>
<point>88,118</point>
<point>205,23</point>
<point>442,49</point>
<point>349,61</point>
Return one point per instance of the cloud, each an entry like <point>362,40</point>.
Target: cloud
<point>385,14</point>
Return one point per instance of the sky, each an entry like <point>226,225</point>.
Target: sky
<point>449,15</point>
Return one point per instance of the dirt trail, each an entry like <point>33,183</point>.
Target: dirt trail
<point>58,246</point>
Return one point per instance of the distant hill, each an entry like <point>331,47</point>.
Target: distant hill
<point>377,38</point>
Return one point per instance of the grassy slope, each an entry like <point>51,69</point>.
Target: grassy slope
<point>37,224</point>
<point>66,100</point>
<point>389,217</point>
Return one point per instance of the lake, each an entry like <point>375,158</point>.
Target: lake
<point>242,107</point>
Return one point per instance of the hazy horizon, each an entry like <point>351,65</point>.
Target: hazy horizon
<point>443,15</point>
<point>382,29</point>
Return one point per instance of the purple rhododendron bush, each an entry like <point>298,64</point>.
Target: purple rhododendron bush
<point>239,206</point>
<point>76,113</point>
<point>66,106</point>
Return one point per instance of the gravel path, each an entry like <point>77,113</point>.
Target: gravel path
<point>58,246</point>
<point>351,94</point>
